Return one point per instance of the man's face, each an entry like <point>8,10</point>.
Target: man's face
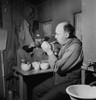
<point>61,34</point>
<point>60,37</point>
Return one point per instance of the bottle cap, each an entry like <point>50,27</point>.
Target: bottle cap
<point>23,60</point>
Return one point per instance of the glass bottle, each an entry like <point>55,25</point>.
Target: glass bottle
<point>10,95</point>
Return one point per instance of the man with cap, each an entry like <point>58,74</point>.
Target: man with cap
<point>66,67</point>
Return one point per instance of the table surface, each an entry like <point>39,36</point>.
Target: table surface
<point>31,72</point>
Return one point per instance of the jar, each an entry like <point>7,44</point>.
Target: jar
<point>25,66</point>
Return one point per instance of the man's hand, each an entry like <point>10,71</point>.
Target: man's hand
<point>46,47</point>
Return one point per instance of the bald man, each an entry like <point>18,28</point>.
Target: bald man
<point>66,66</point>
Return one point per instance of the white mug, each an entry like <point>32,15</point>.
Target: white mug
<point>36,65</point>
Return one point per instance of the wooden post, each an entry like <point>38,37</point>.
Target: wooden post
<point>3,75</point>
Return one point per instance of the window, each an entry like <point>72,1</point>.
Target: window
<point>77,24</point>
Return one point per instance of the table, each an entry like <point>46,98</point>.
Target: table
<point>85,68</point>
<point>27,73</point>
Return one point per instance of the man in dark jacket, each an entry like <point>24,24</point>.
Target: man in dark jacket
<point>66,66</point>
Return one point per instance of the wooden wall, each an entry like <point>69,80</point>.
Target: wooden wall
<point>89,30</point>
<point>12,16</point>
<point>58,11</point>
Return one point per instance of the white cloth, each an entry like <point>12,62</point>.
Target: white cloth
<point>24,35</point>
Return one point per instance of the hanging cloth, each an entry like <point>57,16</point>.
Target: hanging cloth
<point>24,35</point>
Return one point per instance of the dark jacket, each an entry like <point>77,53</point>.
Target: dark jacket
<point>73,72</point>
